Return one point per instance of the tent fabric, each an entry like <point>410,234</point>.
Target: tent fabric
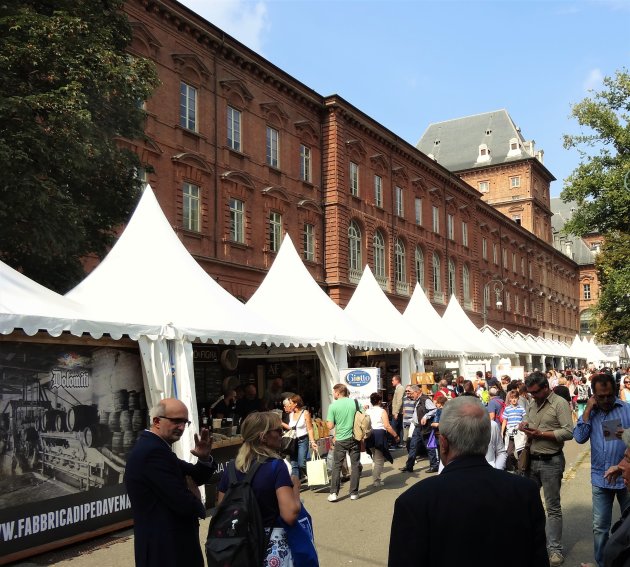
<point>433,337</point>
<point>27,305</point>
<point>373,310</point>
<point>156,281</point>
<point>459,323</point>
<point>290,295</point>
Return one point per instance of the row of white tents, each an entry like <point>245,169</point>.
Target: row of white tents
<point>151,289</point>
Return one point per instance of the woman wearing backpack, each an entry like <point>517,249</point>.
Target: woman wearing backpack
<point>277,493</point>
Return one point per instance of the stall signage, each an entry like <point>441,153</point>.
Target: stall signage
<point>358,378</point>
<point>361,383</point>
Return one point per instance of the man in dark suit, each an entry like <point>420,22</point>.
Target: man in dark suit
<point>468,492</point>
<point>165,500</point>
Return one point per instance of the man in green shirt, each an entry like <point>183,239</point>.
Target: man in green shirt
<point>341,418</point>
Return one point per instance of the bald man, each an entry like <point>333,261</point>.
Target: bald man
<point>165,500</point>
<point>472,491</point>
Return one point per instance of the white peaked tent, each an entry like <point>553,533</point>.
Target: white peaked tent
<point>433,337</point>
<point>292,297</point>
<point>370,306</point>
<point>595,355</point>
<point>459,323</point>
<point>504,337</point>
<point>577,349</point>
<point>27,305</point>
<point>149,276</point>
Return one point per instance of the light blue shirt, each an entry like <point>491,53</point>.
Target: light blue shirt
<point>604,454</point>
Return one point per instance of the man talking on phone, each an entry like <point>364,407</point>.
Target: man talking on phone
<point>604,419</point>
<point>548,424</point>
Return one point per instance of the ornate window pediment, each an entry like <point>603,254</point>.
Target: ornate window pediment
<point>184,61</point>
<point>237,86</point>
<point>357,147</point>
<point>276,191</point>
<point>400,173</point>
<point>309,204</point>
<point>379,161</point>
<point>143,35</point>
<point>194,160</point>
<point>273,109</point>
<point>239,177</point>
<point>306,128</point>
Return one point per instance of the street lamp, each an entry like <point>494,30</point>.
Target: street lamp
<point>498,288</point>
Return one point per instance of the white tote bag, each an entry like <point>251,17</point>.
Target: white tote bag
<point>316,470</point>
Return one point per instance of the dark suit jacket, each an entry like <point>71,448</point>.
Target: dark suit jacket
<point>165,513</point>
<point>442,521</point>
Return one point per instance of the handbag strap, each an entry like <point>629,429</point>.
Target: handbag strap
<point>298,420</point>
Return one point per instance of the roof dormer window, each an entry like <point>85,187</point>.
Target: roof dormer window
<point>484,153</point>
<point>515,148</point>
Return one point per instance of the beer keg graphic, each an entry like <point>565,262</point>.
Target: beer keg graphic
<point>121,400</point>
<point>125,420</point>
<point>94,435</point>
<point>134,400</point>
<point>61,422</point>
<point>80,417</point>
<point>103,417</point>
<point>139,420</point>
<point>114,421</point>
<point>117,442</point>
<point>129,438</point>
<point>49,420</point>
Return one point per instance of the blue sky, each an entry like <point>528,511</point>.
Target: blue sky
<point>408,63</point>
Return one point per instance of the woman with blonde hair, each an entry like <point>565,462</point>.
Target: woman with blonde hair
<point>277,493</point>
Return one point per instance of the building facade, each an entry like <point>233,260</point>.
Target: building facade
<point>240,153</point>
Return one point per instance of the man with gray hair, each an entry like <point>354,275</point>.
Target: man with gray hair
<point>470,488</point>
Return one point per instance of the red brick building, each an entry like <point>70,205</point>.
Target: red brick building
<point>241,153</point>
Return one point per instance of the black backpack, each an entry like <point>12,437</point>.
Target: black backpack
<point>236,536</point>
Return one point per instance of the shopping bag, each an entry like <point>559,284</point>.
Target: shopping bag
<point>301,539</point>
<point>316,470</point>
<point>432,441</point>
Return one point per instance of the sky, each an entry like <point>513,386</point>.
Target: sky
<point>409,63</point>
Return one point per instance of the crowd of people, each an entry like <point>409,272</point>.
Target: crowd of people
<point>503,436</point>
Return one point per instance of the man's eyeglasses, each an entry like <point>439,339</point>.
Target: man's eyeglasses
<point>535,392</point>
<point>176,420</point>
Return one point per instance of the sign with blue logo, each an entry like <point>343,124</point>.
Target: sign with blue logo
<point>361,382</point>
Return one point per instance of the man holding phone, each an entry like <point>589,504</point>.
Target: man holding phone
<point>548,424</point>
<point>604,419</point>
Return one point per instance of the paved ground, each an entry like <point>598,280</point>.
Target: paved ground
<point>356,533</point>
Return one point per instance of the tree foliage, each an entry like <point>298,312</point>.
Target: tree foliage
<point>600,186</point>
<point>69,92</point>
<point>601,183</point>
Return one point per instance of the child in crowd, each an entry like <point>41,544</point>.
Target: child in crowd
<point>512,416</point>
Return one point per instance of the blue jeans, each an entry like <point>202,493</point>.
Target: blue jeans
<point>548,475</point>
<point>300,463</point>
<point>397,426</point>
<point>351,447</point>
<point>418,439</point>
<point>603,500</point>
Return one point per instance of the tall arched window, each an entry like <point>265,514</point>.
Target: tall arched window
<point>354,245</point>
<point>452,287</point>
<point>437,279</point>
<point>420,266</point>
<point>378,242</point>
<point>466,282</point>
<point>400,268</point>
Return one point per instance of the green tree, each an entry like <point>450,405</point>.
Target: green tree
<point>601,183</point>
<point>69,93</point>
<point>600,186</point>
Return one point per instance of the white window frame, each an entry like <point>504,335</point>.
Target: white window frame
<point>436,219</point>
<point>504,258</point>
<point>452,278</point>
<point>354,179</point>
<point>400,206</point>
<point>450,226</point>
<point>437,277</point>
<point>190,206</point>
<point>378,248</point>
<point>305,163</point>
<point>466,282</point>
<point>515,182</point>
<point>495,253</point>
<point>355,261</point>
<point>188,106</point>
<point>483,186</point>
<point>275,231</point>
<point>514,263</point>
<point>484,248</point>
<point>378,191</point>
<point>273,147</point>
<point>420,266</point>
<point>234,127</point>
<point>465,234</point>
<point>309,242</point>
<point>586,291</point>
<point>237,221</point>
<point>400,262</point>
<point>418,209</point>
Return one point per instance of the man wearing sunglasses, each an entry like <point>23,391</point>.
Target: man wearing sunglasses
<point>548,424</point>
<point>604,419</point>
<point>163,490</point>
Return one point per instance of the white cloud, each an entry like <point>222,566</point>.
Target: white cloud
<point>245,20</point>
<point>594,80</point>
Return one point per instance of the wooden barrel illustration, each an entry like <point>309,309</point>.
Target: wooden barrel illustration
<point>139,420</point>
<point>117,442</point>
<point>129,438</point>
<point>114,421</point>
<point>103,417</point>
<point>80,417</point>
<point>134,402</point>
<point>92,435</point>
<point>50,420</point>
<point>121,400</point>
<point>125,420</point>
<point>61,421</point>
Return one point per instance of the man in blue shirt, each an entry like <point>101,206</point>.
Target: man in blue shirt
<point>598,424</point>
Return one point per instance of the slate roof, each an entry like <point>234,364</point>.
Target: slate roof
<point>455,143</point>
